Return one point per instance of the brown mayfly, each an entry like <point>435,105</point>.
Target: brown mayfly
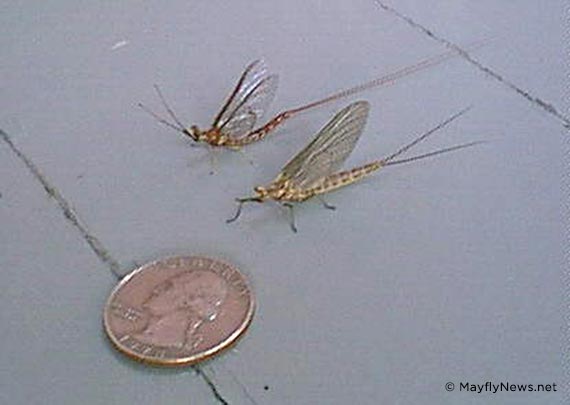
<point>233,127</point>
<point>314,170</point>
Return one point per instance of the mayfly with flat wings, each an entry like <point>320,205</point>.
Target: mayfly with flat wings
<point>234,126</point>
<point>314,170</point>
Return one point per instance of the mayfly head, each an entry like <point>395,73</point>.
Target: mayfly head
<point>261,192</point>
<point>274,191</point>
<point>195,133</point>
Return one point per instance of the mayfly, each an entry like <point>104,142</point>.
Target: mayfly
<point>234,125</point>
<point>314,170</point>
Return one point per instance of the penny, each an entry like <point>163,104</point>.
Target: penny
<point>178,311</point>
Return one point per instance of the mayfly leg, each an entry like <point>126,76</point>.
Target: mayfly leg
<point>237,214</point>
<point>241,202</point>
<point>325,204</point>
<point>291,209</point>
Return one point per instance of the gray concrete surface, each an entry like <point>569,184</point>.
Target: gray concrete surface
<point>447,270</point>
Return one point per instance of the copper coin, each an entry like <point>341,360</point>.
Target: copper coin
<point>178,311</point>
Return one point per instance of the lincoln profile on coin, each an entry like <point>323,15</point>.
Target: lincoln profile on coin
<point>178,306</point>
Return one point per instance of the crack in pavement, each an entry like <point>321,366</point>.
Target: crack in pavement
<point>94,243</point>
<point>211,384</point>
<point>536,101</point>
<point>242,386</point>
<point>97,247</point>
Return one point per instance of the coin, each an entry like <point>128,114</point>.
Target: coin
<point>178,311</point>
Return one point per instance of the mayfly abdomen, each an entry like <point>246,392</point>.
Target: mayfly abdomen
<point>346,177</point>
<point>261,132</point>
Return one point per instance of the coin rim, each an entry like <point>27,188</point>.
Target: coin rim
<point>189,360</point>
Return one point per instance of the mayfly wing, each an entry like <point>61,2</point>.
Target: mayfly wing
<point>252,74</point>
<point>329,149</point>
<point>248,101</point>
<point>251,109</point>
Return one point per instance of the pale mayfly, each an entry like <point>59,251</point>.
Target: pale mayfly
<point>314,170</point>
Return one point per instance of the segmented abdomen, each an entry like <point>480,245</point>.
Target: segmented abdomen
<point>259,133</point>
<point>345,178</point>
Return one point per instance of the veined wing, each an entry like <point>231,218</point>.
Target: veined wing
<point>252,75</point>
<point>243,119</point>
<point>329,149</point>
<point>249,100</point>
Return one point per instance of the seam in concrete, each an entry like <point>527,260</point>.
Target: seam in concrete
<point>211,384</point>
<point>242,386</point>
<point>536,101</point>
<point>97,247</point>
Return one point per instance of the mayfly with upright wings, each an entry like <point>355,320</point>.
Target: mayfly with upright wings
<point>235,125</point>
<point>314,170</point>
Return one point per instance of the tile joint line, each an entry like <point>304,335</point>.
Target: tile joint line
<point>97,247</point>
<point>536,101</point>
<point>210,384</point>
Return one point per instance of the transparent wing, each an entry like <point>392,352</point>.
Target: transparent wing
<point>250,77</point>
<point>253,88</point>
<point>239,125</point>
<point>251,109</point>
<point>329,149</point>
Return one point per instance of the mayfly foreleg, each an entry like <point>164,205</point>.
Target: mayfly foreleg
<point>179,127</point>
<point>241,202</point>
<point>167,107</point>
<point>159,118</point>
